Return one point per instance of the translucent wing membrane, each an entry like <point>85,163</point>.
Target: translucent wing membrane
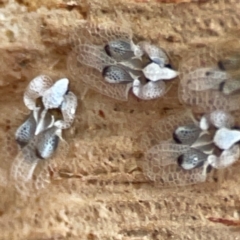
<point>166,153</point>
<point>35,89</point>
<point>116,74</point>
<point>225,138</point>
<point>30,168</point>
<point>204,79</point>
<point>116,60</point>
<point>25,163</point>
<point>162,167</point>
<point>227,157</point>
<point>44,121</point>
<point>205,82</point>
<point>94,56</point>
<point>221,119</point>
<point>193,158</point>
<point>102,33</point>
<point>93,78</point>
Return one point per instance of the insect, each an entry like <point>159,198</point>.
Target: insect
<point>40,135</point>
<point>180,150</point>
<point>210,77</point>
<point>115,64</point>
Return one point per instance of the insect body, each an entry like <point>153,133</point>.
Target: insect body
<point>27,130</point>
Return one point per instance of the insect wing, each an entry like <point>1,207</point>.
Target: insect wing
<point>47,142</point>
<point>155,53</point>
<point>93,78</point>
<point>45,121</point>
<point>204,79</point>
<point>93,56</point>
<point>101,34</point>
<point>25,162</point>
<point>53,97</point>
<point>68,109</point>
<point>163,129</point>
<point>26,131</point>
<point>231,86</point>
<point>198,90</point>
<point>192,158</point>
<point>119,50</point>
<point>187,134</point>
<point>220,118</point>
<point>166,153</point>
<point>227,157</point>
<point>161,166</point>
<point>225,138</point>
<point>3,178</point>
<point>149,90</point>
<point>116,74</point>
<point>36,89</point>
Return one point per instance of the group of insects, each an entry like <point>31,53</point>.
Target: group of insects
<point>52,109</point>
<point>178,150</point>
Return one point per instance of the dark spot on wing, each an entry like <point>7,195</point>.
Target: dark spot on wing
<point>221,86</point>
<point>221,65</point>
<point>180,160</point>
<point>104,71</point>
<point>176,139</point>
